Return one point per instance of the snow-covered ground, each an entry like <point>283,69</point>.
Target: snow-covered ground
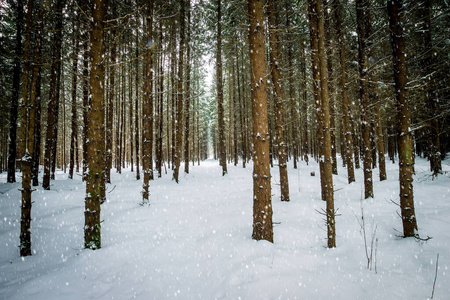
<point>194,240</point>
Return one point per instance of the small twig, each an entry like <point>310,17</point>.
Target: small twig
<point>376,248</point>
<point>394,202</point>
<point>417,237</point>
<point>435,275</point>
<point>112,189</point>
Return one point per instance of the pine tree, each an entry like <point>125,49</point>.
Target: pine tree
<point>277,82</point>
<point>318,58</point>
<point>262,204</point>
<point>219,86</point>
<point>95,179</point>
<point>147,107</point>
<point>361,6</point>
<point>404,134</point>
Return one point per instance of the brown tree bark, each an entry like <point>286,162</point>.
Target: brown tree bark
<point>147,107</point>
<point>111,97</point>
<point>304,109</point>
<point>74,122</point>
<point>12,148</point>
<point>292,103</point>
<point>318,58</point>
<point>242,114</point>
<point>262,204</point>
<point>136,107</point>
<point>53,105</point>
<point>377,129</point>
<point>95,179</point>
<point>431,97</point>
<point>329,42</point>
<point>361,5</point>
<point>37,127</point>
<point>279,109</point>
<point>180,96</point>
<point>27,140</point>
<point>219,85</point>
<point>405,149</point>
<point>346,112</point>
<point>188,91</point>
<point>24,103</point>
<point>86,100</point>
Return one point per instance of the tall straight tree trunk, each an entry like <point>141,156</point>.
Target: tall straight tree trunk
<point>262,203</point>
<point>130,112</point>
<point>24,103</point>
<point>321,95</point>
<point>305,144</point>
<point>96,146</point>
<point>86,100</point>
<point>180,96</point>
<point>242,112</point>
<point>219,83</point>
<point>188,90</point>
<point>53,105</point>
<point>37,125</point>
<point>361,5</point>
<point>337,7</point>
<point>161,102</point>
<point>279,109</point>
<point>27,139</point>
<point>112,94</point>
<point>171,110</point>
<point>329,43</point>
<point>431,97</point>
<point>147,129</point>
<point>136,106</point>
<point>372,85</point>
<point>74,135</point>
<point>292,101</point>
<point>315,62</point>
<point>12,152</point>
<point>405,148</point>
<point>235,115</point>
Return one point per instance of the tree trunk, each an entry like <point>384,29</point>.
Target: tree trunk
<point>74,135</point>
<point>262,206</point>
<point>321,96</point>
<point>136,107</point>
<point>329,40</point>
<point>95,146</point>
<point>220,110</point>
<point>343,92</point>
<point>37,127</point>
<point>431,97</point>
<point>12,152</point>
<point>361,5</point>
<point>405,150</point>
<point>147,129</point>
<point>277,82</point>
<point>28,121</point>
<point>188,91</point>
<point>53,105</point>
<point>24,103</point>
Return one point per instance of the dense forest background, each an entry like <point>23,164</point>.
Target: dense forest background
<point>91,87</point>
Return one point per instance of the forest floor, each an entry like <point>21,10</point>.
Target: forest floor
<point>194,239</point>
